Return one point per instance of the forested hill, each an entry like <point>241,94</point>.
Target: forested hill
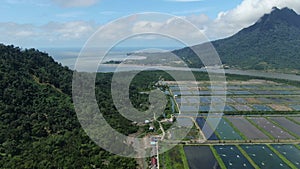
<point>31,63</point>
<point>271,43</point>
<point>38,124</point>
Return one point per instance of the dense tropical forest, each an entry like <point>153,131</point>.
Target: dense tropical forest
<point>39,127</point>
<point>38,123</point>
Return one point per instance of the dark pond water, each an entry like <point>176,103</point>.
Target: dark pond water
<point>200,157</point>
<point>201,122</point>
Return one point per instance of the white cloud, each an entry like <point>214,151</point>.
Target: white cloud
<point>75,3</point>
<point>77,32</point>
<point>185,12</point>
<point>53,33</point>
<point>226,24</point>
<point>173,26</point>
<point>146,26</point>
<point>150,27</point>
<point>72,30</point>
<point>16,31</point>
<point>245,14</point>
<point>201,21</point>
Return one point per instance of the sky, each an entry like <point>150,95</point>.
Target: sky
<point>70,23</point>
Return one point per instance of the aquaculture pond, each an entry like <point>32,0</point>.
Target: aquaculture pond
<point>188,108</point>
<point>252,100</point>
<point>245,127</point>
<point>217,100</point>
<point>290,152</point>
<point>260,107</point>
<point>225,131</point>
<point>271,128</point>
<point>279,100</point>
<point>240,100</point>
<point>181,100</point>
<point>208,132</point>
<point>242,107</point>
<point>229,108</point>
<point>264,92</point>
<point>232,157</point>
<point>297,119</point>
<point>241,92</point>
<point>205,99</point>
<point>279,107</point>
<point>287,124</point>
<point>194,99</point>
<point>295,107</point>
<point>200,157</point>
<point>232,87</point>
<point>204,108</point>
<point>204,92</point>
<point>220,108</point>
<point>283,92</point>
<point>264,100</point>
<point>264,157</point>
<point>183,93</point>
<point>230,100</point>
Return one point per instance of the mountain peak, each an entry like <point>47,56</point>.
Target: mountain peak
<point>271,43</point>
<point>287,12</point>
<point>275,9</point>
<point>284,16</point>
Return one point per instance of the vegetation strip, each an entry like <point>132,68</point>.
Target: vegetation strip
<point>247,157</point>
<point>259,128</point>
<point>174,158</point>
<point>165,160</point>
<point>217,156</point>
<point>183,158</point>
<point>291,119</point>
<point>297,146</point>
<point>290,164</point>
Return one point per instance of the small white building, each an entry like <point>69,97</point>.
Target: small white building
<point>151,128</point>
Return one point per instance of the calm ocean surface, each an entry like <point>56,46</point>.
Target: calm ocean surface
<point>68,57</point>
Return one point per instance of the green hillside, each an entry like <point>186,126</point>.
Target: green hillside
<point>38,126</point>
<point>271,43</point>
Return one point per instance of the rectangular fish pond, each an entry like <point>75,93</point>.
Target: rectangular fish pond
<point>232,157</point>
<point>245,127</point>
<point>264,157</point>
<point>224,130</point>
<point>207,131</point>
<point>200,157</point>
<point>290,152</point>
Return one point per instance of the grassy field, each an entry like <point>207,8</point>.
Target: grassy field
<point>174,158</point>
